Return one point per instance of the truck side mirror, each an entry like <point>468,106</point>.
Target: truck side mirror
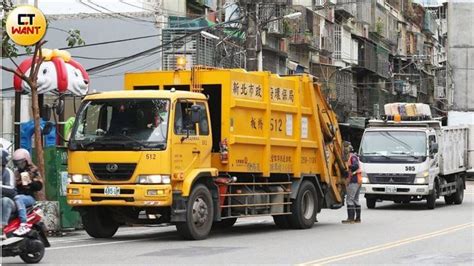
<point>434,148</point>
<point>195,114</point>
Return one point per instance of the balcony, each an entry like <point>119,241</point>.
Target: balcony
<point>367,55</point>
<point>307,40</point>
<point>327,44</point>
<point>364,11</point>
<point>443,27</point>
<point>430,25</point>
<point>345,8</point>
<point>383,64</point>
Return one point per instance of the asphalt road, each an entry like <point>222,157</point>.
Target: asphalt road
<point>390,234</point>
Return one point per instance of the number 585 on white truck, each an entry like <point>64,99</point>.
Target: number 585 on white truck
<point>407,158</point>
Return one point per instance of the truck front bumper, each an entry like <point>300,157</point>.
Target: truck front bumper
<point>129,195</point>
<point>386,189</point>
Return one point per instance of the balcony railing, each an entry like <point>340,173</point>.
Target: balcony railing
<point>305,39</point>
<point>367,55</point>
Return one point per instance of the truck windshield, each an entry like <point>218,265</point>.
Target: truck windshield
<point>121,124</point>
<point>397,145</point>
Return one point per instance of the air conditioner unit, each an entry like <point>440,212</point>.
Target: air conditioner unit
<point>273,27</point>
<point>440,92</point>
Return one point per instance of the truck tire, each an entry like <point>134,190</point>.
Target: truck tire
<point>449,199</point>
<point>282,221</point>
<point>458,197</point>
<point>224,223</point>
<point>371,202</point>
<point>199,214</point>
<point>99,223</point>
<point>304,207</point>
<point>431,199</point>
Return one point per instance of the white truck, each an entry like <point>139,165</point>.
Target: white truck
<point>405,161</point>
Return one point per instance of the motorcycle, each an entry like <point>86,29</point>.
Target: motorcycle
<point>31,246</point>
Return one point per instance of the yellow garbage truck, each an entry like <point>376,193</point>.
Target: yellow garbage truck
<point>203,147</point>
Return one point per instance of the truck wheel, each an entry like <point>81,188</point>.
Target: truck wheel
<point>199,215</point>
<point>449,199</point>
<point>371,203</point>
<point>431,200</point>
<point>224,223</point>
<point>304,207</point>
<point>282,221</point>
<point>459,195</point>
<point>98,223</point>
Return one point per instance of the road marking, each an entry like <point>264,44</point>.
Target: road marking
<point>106,243</point>
<point>389,245</point>
<point>66,239</point>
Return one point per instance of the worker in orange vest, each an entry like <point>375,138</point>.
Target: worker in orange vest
<point>353,184</point>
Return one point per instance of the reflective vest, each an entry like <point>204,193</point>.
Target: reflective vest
<point>358,172</point>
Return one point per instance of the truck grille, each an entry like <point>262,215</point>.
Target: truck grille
<point>113,171</point>
<point>391,178</point>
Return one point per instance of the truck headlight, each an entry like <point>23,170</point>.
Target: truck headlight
<point>79,178</point>
<point>153,179</point>
<point>365,178</point>
<point>422,177</point>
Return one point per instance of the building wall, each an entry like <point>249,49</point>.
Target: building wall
<point>461,54</point>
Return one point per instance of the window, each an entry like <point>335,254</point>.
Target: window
<point>128,122</point>
<point>182,119</point>
<point>431,139</point>
<point>203,122</point>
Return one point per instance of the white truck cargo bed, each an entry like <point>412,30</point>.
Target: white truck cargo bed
<point>453,144</point>
<point>458,118</point>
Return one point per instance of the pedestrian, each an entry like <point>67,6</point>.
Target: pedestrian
<point>28,181</point>
<point>353,184</point>
<point>8,192</point>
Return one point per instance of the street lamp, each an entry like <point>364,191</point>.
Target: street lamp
<point>293,15</point>
<point>208,35</point>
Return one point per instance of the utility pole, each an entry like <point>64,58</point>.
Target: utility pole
<point>160,20</point>
<point>252,43</point>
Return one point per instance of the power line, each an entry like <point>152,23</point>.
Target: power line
<point>106,42</point>
<point>168,11</point>
<point>120,14</point>
<point>97,58</point>
<point>156,48</point>
<point>114,15</point>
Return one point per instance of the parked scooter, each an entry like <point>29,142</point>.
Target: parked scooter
<point>31,246</point>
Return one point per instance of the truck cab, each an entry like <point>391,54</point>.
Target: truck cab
<point>131,149</point>
<point>401,162</point>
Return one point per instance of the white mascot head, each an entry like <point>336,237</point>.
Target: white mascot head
<point>58,73</point>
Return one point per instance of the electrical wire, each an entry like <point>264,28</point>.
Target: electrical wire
<point>113,15</point>
<point>168,11</point>
<point>156,49</point>
<point>120,14</point>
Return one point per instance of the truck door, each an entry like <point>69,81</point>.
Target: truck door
<point>191,141</point>
<point>205,136</point>
<point>433,155</point>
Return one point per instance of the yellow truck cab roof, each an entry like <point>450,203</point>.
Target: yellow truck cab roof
<point>166,94</point>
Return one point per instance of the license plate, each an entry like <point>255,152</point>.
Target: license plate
<point>391,189</point>
<point>112,191</point>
